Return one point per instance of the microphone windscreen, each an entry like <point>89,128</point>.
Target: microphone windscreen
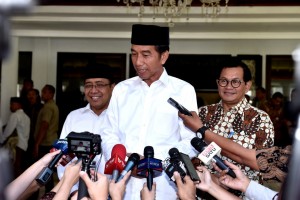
<point>119,150</point>
<point>198,144</point>
<point>134,157</point>
<point>174,153</point>
<point>148,152</point>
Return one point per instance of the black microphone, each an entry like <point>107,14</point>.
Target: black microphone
<point>130,164</point>
<point>208,154</point>
<point>149,153</point>
<point>181,163</point>
<point>44,176</point>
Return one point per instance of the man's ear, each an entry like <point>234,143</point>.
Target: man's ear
<point>248,86</point>
<point>164,57</point>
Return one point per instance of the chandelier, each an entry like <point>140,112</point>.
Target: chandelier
<point>175,8</point>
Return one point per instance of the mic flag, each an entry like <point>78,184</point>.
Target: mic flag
<point>149,167</point>
<point>149,163</point>
<point>117,161</point>
<point>209,153</point>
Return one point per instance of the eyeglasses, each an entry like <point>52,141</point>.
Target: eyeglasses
<point>97,86</point>
<point>235,83</point>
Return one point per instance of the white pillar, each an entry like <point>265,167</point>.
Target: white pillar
<point>9,79</point>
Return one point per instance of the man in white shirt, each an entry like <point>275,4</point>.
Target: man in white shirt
<point>139,115</point>
<point>98,87</point>
<point>19,124</point>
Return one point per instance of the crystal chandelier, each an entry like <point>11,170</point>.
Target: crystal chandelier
<point>175,8</point>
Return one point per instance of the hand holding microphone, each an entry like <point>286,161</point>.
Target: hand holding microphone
<point>45,175</point>
<point>209,153</point>
<point>181,163</point>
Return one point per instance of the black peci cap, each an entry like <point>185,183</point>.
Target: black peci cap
<point>97,70</point>
<point>16,100</point>
<point>149,35</point>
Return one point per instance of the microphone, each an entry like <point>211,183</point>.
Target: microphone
<point>131,163</point>
<point>149,167</point>
<point>44,176</point>
<point>209,153</point>
<point>117,161</point>
<point>181,163</point>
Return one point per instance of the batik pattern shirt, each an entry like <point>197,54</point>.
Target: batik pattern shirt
<point>243,124</point>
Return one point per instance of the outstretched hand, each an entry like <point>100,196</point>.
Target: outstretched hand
<point>117,190</point>
<point>192,122</point>
<point>97,190</point>
<point>241,181</point>
<point>186,187</point>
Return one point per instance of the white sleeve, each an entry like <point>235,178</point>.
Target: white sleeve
<point>10,127</point>
<point>257,191</point>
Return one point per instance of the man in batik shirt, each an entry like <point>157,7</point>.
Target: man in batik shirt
<point>233,117</point>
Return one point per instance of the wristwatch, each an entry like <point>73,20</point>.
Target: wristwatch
<point>201,132</point>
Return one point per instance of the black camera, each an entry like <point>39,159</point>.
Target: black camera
<point>86,146</point>
<point>84,143</point>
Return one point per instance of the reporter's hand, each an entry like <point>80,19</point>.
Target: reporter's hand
<point>47,158</point>
<point>117,190</point>
<point>186,189</point>
<point>97,190</point>
<point>71,174</point>
<point>241,181</point>
<point>146,194</point>
<point>192,122</point>
<point>206,180</point>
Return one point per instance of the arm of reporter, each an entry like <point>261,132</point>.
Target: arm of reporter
<point>208,185</point>
<point>252,189</point>
<point>186,188</point>
<point>97,190</point>
<point>21,183</point>
<point>146,194</point>
<point>117,190</point>
<point>229,148</point>
<point>71,176</point>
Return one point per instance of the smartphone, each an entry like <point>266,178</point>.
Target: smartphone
<point>181,109</point>
<point>189,167</point>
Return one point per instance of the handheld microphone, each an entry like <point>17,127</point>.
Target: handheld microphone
<point>117,161</point>
<point>209,153</point>
<point>181,163</point>
<point>44,176</point>
<point>149,167</point>
<point>131,163</point>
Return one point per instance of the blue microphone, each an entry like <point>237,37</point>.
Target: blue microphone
<point>131,163</point>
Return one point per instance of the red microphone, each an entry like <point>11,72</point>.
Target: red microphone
<point>117,161</point>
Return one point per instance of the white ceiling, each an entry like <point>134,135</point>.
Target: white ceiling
<point>116,21</point>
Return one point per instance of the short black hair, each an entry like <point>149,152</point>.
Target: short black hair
<point>235,62</point>
<point>51,88</point>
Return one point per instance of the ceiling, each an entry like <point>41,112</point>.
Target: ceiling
<point>195,2</point>
<point>54,18</point>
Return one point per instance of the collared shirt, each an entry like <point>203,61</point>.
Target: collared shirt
<point>139,116</point>
<point>243,124</point>
<point>20,121</point>
<point>50,114</point>
<point>82,120</point>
